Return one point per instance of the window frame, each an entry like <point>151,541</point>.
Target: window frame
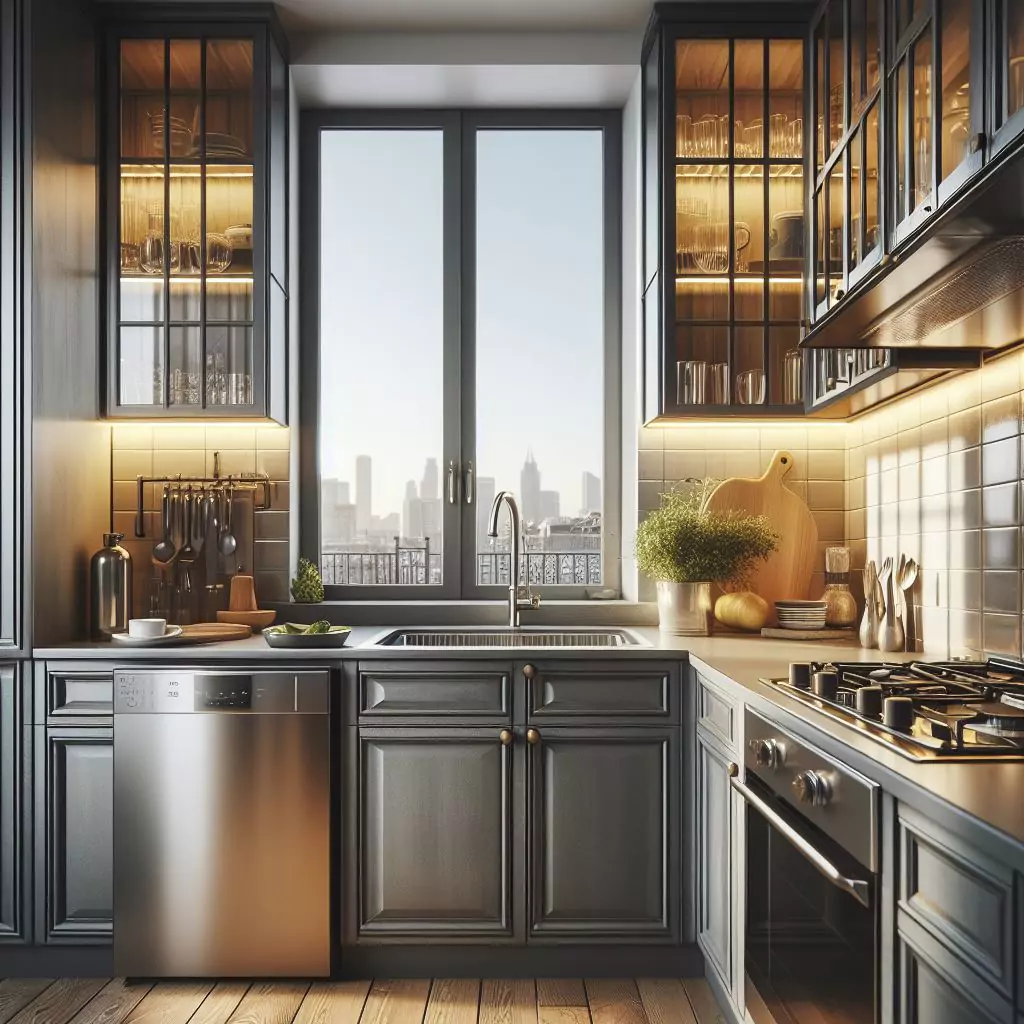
<point>459,342</point>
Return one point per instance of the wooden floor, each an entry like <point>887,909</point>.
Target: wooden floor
<point>462,1001</point>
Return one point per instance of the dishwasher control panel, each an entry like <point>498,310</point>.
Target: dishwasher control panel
<point>187,691</point>
<point>154,692</point>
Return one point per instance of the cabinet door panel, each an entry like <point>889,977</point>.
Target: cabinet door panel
<point>576,691</point>
<point>75,815</point>
<point>13,924</point>
<point>434,833</point>
<point>714,860</point>
<point>603,817</point>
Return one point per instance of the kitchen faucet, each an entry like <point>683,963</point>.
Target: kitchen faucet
<point>516,602</point>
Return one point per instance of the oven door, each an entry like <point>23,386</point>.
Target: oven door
<point>812,920</point>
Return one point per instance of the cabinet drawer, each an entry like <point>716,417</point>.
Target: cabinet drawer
<point>716,712</point>
<point>937,988</point>
<point>959,894</point>
<point>65,693</point>
<point>393,690</point>
<point>576,691</point>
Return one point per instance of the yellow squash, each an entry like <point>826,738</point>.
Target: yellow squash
<point>744,610</point>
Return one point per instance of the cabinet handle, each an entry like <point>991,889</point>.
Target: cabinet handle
<point>532,737</point>
<point>529,671</point>
<point>506,736</point>
<point>732,769</point>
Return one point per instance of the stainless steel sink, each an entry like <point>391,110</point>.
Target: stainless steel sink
<point>518,638</point>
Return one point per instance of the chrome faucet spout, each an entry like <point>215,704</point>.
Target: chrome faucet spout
<point>515,604</point>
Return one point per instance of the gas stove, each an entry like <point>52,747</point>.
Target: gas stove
<point>927,711</point>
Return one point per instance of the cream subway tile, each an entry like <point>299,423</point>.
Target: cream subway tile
<point>651,438</point>
<point>856,492</point>
<point>744,463</point>
<point>649,495</point>
<point>793,439</point>
<point>273,463</point>
<point>826,436</point>
<point>1000,418</point>
<point>965,589</point>
<point>935,475</point>
<point>271,525</point>
<point>1000,506</point>
<point>910,517</point>
<point>858,556</point>
<point>124,523</point>
<point>715,465</point>
<point>831,526</point>
<point>873,489</point>
<point>868,427</point>
<point>910,481</point>
<point>732,437</point>
<point>1000,592</point>
<point>888,422</point>
<point>874,522</point>
<point>176,436</point>
<point>273,439</point>
<point>965,429</point>
<point>232,462</point>
<point>1000,461</point>
<point>828,495</point>
<point>908,412</point>
<point>933,632</point>
<point>271,586</point>
<point>964,469</point>
<point>681,465</point>
<point>935,513</point>
<point>933,588</point>
<point>131,463</point>
<point>1001,377</point>
<point>908,544</point>
<point>875,546</point>
<point>964,632</point>
<point>1000,634</point>
<point>935,404</point>
<point>222,438</point>
<point>888,452</point>
<point>856,462</point>
<point>280,494</point>
<point>798,487</point>
<point>934,439</point>
<point>125,496</point>
<point>909,446</point>
<point>1001,548</point>
<point>131,435</point>
<point>686,438</point>
<point>873,457</point>
<point>856,524</point>
<point>179,462</point>
<point>890,486</point>
<point>964,509</point>
<point>964,392</point>
<point>854,434</point>
<point>651,465</point>
<point>825,464</point>
<point>270,554</point>
<point>965,549</point>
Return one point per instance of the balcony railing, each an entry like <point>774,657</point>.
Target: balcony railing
<point>541,568</point>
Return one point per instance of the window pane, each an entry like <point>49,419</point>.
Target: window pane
<point>381,355</point>
<point>540,349</point>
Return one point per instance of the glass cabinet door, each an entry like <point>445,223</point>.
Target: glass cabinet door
<point>1008,66</point>
<point>738,224</point>
<point>185,226</point>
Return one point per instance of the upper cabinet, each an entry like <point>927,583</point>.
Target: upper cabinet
<point>196,206</point>
<point>724,140</point>
<point>1007,80</point>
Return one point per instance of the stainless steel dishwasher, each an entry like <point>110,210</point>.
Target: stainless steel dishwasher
<point>221,823</point>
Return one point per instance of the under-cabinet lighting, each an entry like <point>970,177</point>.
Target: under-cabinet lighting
<point>211,279</point>
<point>709,279</point>
<point>192,171</point>
<point>782,423</point>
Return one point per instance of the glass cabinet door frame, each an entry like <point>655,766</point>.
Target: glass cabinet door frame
<point>852,139</point>
<point>262,37</point>
<point>660,65</point>
<point>1003,128</point>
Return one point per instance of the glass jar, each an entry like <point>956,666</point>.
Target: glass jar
<point>840,604</point>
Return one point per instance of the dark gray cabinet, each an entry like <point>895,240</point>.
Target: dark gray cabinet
<point>14,924</point>
<point>431,829</point>
<point>603,833</point>
<point>74,811</point>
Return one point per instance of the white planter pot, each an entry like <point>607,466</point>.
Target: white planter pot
<point>684,609</point>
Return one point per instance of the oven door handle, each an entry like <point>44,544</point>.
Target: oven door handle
<point>856,887</point>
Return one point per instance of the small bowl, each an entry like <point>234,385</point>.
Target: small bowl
<point>146,629</point>
<point>281,636</point>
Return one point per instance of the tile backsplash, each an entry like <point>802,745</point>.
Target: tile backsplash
<point>172,449</point>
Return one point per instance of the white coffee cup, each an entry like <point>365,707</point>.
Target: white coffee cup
<point>146,629</point>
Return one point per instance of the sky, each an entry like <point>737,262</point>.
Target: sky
<point>539,307</point>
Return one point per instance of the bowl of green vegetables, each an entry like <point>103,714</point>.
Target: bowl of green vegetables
<point>317,634</point>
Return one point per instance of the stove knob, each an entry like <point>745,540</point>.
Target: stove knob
<point>812,788</point>
<point>898,713</point>
<point>869,701</point>
<point>825,684</point>
<point>768,753</point>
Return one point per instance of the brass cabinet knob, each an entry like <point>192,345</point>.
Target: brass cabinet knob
<point>529,671</point>
<point>506,736</point>
<point>532,737</point>
<point>733,769</point>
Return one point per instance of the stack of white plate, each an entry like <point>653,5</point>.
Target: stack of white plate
<point>801,614</point>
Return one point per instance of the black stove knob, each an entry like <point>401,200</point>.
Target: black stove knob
<point>800,674</point>
<point>768,753</point>
<point>813,788</point>
<point>869,701</point>
<point>825,684</point>
<point>898,713</point>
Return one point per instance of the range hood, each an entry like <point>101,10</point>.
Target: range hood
<point>958,285</point>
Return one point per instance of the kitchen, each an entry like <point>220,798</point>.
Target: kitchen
<point>443,300</point>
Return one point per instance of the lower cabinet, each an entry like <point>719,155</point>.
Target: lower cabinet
<point>74,779</point>
<point>13,915</point>
<point>602,817</point>
<point>433,816</point>
<point>714,854</point>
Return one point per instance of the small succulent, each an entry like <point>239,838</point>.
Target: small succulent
<point>307,587</point>
<point>683,542</point>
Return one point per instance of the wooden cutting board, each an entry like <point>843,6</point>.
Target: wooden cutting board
<point>213,632</point>
<point>787,572</point>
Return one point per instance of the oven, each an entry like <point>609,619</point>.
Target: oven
<point>812,883</point>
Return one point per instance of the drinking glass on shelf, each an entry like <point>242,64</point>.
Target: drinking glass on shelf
<point>742,232</point>
<point>711,247</point>
<point>691,384</point>
<point>239,389</point>
<point>718,374</point>
<point>722,148</point>
<point>705,136</point>
<point>750,387</point>
<point>753,137</point>
<point>795,145</point>
<point>778,135</point>
<point>684,135</point>
<point>690,211</point>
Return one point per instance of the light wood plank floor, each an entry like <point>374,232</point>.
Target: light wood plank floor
<point>441,1001</point>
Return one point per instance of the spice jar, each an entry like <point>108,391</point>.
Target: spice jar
<point>840,604</point>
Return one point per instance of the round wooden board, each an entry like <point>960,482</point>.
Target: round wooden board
<point>213,632</point>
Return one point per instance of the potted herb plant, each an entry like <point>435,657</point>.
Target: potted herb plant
<point>685,549</point>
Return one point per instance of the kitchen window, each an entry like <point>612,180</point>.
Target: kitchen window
<point>460,337</point>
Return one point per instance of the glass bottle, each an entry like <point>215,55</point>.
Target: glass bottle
<point>841,605</point>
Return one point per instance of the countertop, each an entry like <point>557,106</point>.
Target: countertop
<point>990,791</point>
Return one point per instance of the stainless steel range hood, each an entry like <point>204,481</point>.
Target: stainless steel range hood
<point>958,285</point>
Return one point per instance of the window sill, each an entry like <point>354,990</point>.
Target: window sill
<point>469,613</point>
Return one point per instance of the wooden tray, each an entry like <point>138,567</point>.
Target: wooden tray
<point>807,634</point>
<point>213,633</point>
